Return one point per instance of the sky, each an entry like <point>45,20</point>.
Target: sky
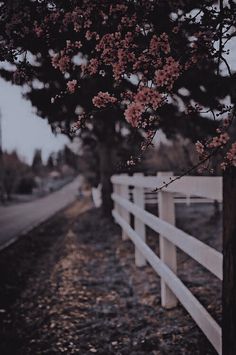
<point>22,129</point>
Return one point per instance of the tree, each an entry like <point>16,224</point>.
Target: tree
<point>63,111</point>
<point>37,163</point>
<point>13,169</point>
<point>25,184</point>
<point>135,56</point>
<point>51,162</point>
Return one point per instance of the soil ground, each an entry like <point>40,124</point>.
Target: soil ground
<point>71,287</point>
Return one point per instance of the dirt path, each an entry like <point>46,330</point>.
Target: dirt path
<point>76,291</point>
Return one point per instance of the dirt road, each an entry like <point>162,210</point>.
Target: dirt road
<point>19,219</point>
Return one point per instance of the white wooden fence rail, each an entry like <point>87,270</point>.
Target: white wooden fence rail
<point>201,186</point>
<point>152,198</point>
<point>172,288</point>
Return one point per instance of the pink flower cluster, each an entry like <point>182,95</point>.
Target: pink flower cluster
<point>124,57</point>
<point>230,158</point>
<point>133,113</point>
<point>168,74</point>
<point>108,42</point>
<point>74,17</point>
<point>128,95</point>
<point>128,47</point>
<point>52,18</point>
<point>92,67</point>
<point>231,154</point>
<point>199,148</point>
<point>158,44</point>
<point>38,30</point>
<point>117,52</point>
<point>72,45</point>
<point>71,86</point>
<point>221,140</point>
<point>149,97</point>
<point>142,63</point>
<point>118,8</point>
<point>61,61</point>
<point>103,99</point>
<point>145,98</point>
<point>89,35</point>
<point>128,21</point>
<point>151,59</point>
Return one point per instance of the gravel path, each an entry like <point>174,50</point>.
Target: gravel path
<point>71,287</point>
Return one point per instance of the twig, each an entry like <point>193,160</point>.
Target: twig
<point>221,36</point>
<point>187,172</point>
<point>227,65</point>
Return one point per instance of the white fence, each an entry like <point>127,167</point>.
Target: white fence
<point>172,288</point>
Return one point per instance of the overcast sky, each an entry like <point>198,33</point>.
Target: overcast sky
<point>21,128</point>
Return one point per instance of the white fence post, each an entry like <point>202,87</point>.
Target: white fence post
<point>166,210</point>
<point>139,226</point>
<point>124,192</point>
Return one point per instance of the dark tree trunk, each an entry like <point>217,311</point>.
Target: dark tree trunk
<point>229,264</point>
<point>105,132</point>
<point>105,176</point>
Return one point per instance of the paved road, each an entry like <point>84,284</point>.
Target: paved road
<point>19,219</point>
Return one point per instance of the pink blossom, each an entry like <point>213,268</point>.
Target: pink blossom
<point>71,86</point>
<point>230,158</point>
<point>87,23</point>
<point>226,122</point>
<point>133,113</point>
<point>61,62</point>
<point>103,99</point>
<point>159,43</point>
<point>199,147</point>
<point>118,8</point>
<point>118,70</point>
<point>90,35</point>
<point>231,154</point>
<point>222,139</point>
<point>92,66</point>
<point>149,96</point>
<point>38,30</point>
<point>168,74</point>
<point>71,45</point>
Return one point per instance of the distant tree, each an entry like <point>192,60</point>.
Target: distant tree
<point>50,162</point>
<point>70,158</point>
<point>25,184</point>
<point>13,169</point>
<point>37,163</point>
